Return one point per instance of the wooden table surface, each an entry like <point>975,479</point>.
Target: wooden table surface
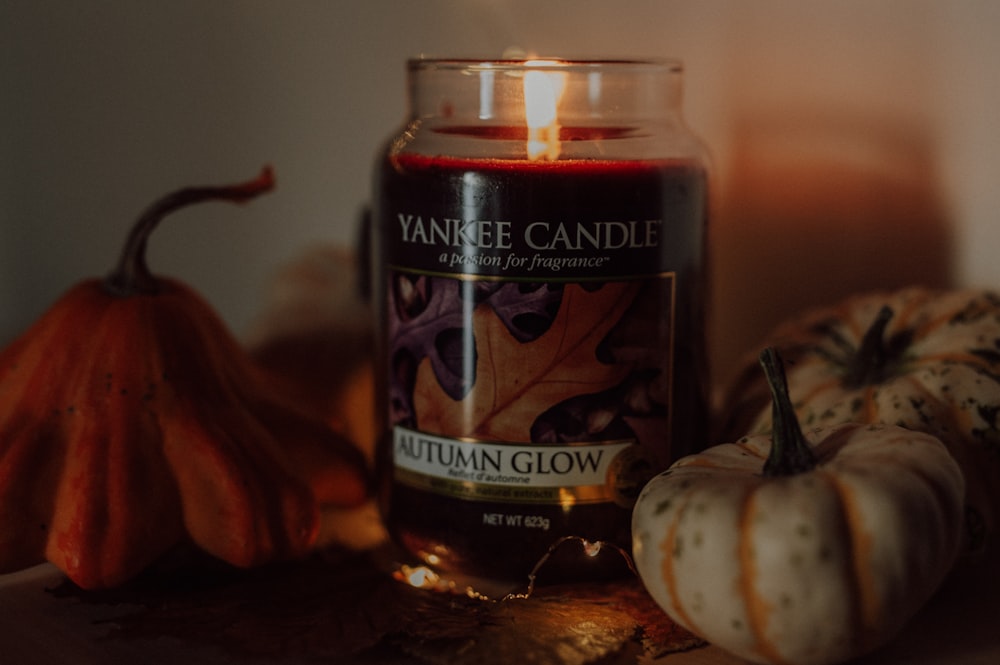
<point>961,626</point>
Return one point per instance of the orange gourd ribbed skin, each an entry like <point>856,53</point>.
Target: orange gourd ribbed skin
<point>132,421</point>
<point>938,372</point>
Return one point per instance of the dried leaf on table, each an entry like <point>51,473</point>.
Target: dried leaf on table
<point>558,626</point>
<point>346,608</point>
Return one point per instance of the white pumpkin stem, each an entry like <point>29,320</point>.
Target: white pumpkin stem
<point>131,276</point>
<point>790,452</point>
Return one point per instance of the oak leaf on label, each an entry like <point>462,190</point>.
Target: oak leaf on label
<point>517,381</point>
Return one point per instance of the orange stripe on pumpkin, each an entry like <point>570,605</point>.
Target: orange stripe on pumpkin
<point>758,609</point>
<point>957,357</point>
<point>750,450</point>
<point>868,604</point>
<point>830,384</point>
<point>870,414</point>
<point>668,546</point>
<point>946,316</point>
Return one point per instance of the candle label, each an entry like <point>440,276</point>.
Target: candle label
<point>541,338</point>
<point>508,472</point>
<point>513,345</point>
<point>482,362</point>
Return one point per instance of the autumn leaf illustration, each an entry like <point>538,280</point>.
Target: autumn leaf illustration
<point>427,319</point>
<point>515,381</point>
<point>638,407</point>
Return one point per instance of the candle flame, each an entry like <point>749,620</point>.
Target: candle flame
<point>542,92</point>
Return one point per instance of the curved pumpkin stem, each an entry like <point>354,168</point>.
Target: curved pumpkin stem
<point>869,364</point>
<point>790,452</point>
<point>131,276</point>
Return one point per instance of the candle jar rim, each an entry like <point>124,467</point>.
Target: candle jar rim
<point>666,64</point>
<point>603,107</point>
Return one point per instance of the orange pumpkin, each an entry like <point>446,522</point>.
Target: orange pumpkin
<point>922,359</point>
<point>131,421</point>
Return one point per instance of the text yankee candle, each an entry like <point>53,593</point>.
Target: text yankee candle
<point>537,237</point>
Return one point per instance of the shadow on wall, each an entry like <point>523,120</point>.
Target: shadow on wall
<point>817,208</point>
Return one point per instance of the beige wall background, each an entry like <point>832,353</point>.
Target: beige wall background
<point>855,142</point>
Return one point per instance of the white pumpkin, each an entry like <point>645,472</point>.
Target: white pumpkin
<point>810,551</point>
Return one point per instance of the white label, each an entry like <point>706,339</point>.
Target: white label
<point>518,465</point>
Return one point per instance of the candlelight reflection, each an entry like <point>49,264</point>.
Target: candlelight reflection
<point>542,92</point>
<point>561,550</point>
<point>420,577</point>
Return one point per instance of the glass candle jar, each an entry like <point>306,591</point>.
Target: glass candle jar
<point>538,236</point>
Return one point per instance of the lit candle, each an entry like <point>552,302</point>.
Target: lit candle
<point>542,92</point>
<point>539,234</point>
